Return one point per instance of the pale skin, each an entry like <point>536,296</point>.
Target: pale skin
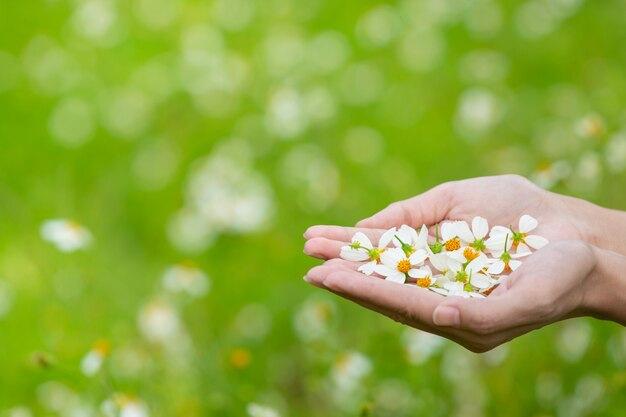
<point>582,272</point>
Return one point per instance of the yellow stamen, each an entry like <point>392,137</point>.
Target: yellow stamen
<point>423,282</point>
<point>404,266</point>
<point>470,254</point>
<point>453,244</point>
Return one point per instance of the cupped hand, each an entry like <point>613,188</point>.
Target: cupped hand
<point>502,200</point>
<point>553,284</point>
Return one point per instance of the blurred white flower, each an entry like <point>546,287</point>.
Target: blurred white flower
<point>312,318</point>
<point>478,111</point>
<point>124,405</point>
<point>159,322</point>
<point>573,340</point>
<point>616,152</point>
<point>258,410</point>
<point>421,346</point>
<point>349,369</point>
<point>19,411</point>
<point>66,235</point>
<point>188,278</point>
<point>94,359</point>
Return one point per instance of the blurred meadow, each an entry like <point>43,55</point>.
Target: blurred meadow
<point>190,143</point>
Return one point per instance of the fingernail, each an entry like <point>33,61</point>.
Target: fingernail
<point>305,251</point>
<point>306,279</point>
<point>447,316</point>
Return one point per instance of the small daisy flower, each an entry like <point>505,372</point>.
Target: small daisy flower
<point>455,234</point>
<point>427,280</point>
<point>124,405</point>
<point>66,235</point>
<point>186,277</point>
<point>405,238</point>
<point>480,228</point>
<point>94,359</point>
<point>456,289</point>
<point>520,240</point>
<point>396,266</point>
<point>505,262</point>
<point>361,249</point>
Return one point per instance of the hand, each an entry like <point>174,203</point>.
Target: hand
<point>502,200</point>
<point>553,284</point>
<point>514,308</point>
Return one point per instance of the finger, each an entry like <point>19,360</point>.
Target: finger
<point>414,304</point>
<point>427,208</point>
<point>323,248</point>
<point>316,275</point>
<point>341,233</point>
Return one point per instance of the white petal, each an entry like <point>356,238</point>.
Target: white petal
<point>476,295</point>
<point>477,264</point>
<point>513,264</point>
<point>535,241</point>
<point>463,231</point>
<point>523,249</point>
<point>495,244</point>
<point>480,227</point>
<point>418,273</point>
<point>355,255</point>
<point>527,223</point>
<point>385,239</point>
<point>410,233</point>
<point>499,230</point>
<point>496,268</point>
<point>391,257</point>
<point>367,268</point>
<point>362,239</point>
<point>481,281</point>
<point>439,290</point>
<point>447,231</point>
<point>422,238</point>
<point>383,270</point>
<point>418,257</point>
<point>457,255</point>
<point>398,277</point>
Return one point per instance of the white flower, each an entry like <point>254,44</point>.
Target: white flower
<point>66,235</point>
<point>396,265</point>
<point>358,250</point>
<point>480,228</point>
<point>361,249</point>
<point>94,359</point>
<point>123,405</point>
<point>520,240</point>
<point>455,289</point>
<point>505,263</point>
<point>443,263</point>
<point>406,238</point>
<point>186,278</point>
<point>258,410</point>
<point>349,369</point>
<point>159,322</point>
<point>455,234</point>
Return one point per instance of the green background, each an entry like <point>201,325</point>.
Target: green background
<point>322,112</point>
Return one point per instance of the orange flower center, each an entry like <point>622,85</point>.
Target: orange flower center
<point>453,244</point>
<point>470,254</point>
<point>404,266</point>
<point>423,282</point>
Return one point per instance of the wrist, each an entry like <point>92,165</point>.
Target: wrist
<point>596,225</point>
<point>605,290</point>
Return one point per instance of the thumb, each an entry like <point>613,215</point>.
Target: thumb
<point>484,315</point>
<point>427,208</point>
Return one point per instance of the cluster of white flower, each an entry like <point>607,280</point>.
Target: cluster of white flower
<point>462,261</point>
